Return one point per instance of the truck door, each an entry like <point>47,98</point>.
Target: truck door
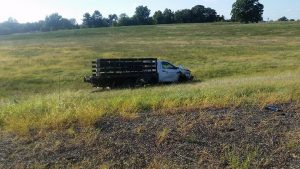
<point>168,72</point>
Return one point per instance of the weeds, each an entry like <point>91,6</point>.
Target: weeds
<point>293,140</point>
<point>162,135</point>
<point>161,163</point>
<point>241,159</point>
<point>47,112</point>
<point>103,166</point>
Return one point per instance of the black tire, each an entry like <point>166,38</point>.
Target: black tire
<point>182,78</point>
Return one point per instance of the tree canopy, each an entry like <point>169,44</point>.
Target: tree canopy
<point>52,22</point>
<point>125,20</point>
<point>183,16</point>
<point>95,20</point>
<point>158,17</point>
<point>142,16</point>
<point>283,19</point>
<point>247,11</point>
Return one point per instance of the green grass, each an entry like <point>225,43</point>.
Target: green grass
<point>41,74</point>
<point>236,162</point>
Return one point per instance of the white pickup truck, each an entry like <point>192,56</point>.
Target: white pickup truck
<point>132,72</point>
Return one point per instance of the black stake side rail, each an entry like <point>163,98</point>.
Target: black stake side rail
<point>110,67</point>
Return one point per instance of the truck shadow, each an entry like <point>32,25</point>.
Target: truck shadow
<point>99,90</point>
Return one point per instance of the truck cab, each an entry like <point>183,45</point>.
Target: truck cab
<point>167,72</point>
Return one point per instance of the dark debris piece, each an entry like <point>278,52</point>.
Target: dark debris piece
<point>273,108</point>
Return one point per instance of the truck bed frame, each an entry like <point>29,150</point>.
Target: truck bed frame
<point>125,72</point>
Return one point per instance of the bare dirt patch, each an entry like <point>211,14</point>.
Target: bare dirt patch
<point>209,138</point>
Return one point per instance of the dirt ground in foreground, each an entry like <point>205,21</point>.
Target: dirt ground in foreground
<point>208,138</point>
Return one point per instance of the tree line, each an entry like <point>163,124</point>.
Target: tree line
<point>197,14</point>
<point>243,11</point>
<point>53,22</point>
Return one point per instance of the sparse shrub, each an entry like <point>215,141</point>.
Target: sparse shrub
<point>161,163</point>
<point>162,135</point>
<point>241,158</point>
<point>293,139</point>
<point>284,19</point>
<point>103,166</point>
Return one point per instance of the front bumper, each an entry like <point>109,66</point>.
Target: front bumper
<point>191,78</point>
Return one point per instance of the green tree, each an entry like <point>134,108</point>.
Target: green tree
<point>201,14</point>
<point>124,20</point>
<point>198,14</point>
<point>53,22</point>
<point>10,26</point>
<point>112,19</point>
<point>283,19</point>
<point>183,16</point>
<point>247,11</point>
<point>98,20</point>
<point>210,15</point>
<point>67,23</point>
<point>142,15</point>
<point>158,17</point>
<point>87,20</point>
<point>168,16</point>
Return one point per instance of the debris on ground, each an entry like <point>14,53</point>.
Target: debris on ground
<point>273,108</point>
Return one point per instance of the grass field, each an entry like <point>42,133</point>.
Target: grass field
<point>235,65</point>
<point>41,74</point>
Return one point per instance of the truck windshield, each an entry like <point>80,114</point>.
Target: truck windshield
<point>166,65</point>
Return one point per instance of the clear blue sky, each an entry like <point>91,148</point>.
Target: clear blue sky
<point>34,10</point>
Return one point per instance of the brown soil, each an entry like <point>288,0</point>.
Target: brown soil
<point>181,139</point>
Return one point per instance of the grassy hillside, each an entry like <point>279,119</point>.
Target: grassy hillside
<point>41,74</point>
<point>32,63</point>
<point>48,115</point>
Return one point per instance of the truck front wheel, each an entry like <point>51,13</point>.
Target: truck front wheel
<point>182,78</point>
